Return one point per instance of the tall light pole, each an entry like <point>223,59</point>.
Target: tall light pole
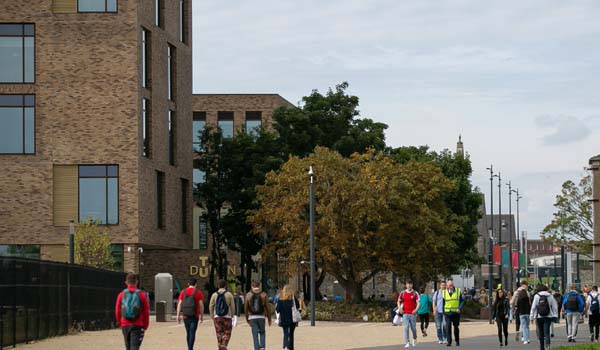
<point>500,228</point>
<point>491,249</point>
<point>312,247</point>
<point>510,234</point>
<point>520,246</point>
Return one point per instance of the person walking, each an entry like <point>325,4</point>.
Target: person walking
<point>408,303</point>
<point>289,315</point>
<point>423,311</point>
<point>453,304</point>
<point>256,309</point>
<point>521,302</point>
<point>191,305</point>
<point>438,313</point>
<point>593,307</point>
<point>573,306</point>
<point>500,313</point>
<point>543,310</point>
<point>132,312</point>
<point>222,309</point>
<point>558,297</point>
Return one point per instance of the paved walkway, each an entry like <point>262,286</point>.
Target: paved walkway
<point>327,335</point>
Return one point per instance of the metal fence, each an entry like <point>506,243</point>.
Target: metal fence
<point>41,299</point>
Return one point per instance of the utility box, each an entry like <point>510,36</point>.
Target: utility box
<point>163,292</point>
<point>160,311</point>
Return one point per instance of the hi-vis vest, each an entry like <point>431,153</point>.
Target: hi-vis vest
<point>451,302</point>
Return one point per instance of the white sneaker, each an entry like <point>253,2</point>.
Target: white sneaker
<point>526,342</point>
<point>440,342</point>
<point>407,346</point>
<point>414,343</point>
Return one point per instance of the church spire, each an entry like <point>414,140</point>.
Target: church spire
<point>460,150</point>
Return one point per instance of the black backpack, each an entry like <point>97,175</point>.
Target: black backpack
<point>523,303</point>
<point>572,302</point>
<point>221,307</point>
<point>543,306</point>
<point>256,304</point>
<point>188,305</point>
<point>594,306</point>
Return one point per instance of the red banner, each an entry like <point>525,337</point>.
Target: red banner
<point>497,255</point>
<point>515,260</point>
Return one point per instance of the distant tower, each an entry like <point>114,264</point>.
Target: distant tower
<point>460,150</point>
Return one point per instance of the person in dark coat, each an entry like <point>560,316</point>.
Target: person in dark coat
<point>285,309</point>
<point>500,313</point>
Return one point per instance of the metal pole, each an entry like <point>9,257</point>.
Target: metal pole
<point>578,276</point>
<point>500,228</point>
<point>510,234</point>
<point>594,167</point>
<point>140,251</point>
<point>563,262</point>
<point>519,245</point>
<point>72,241</point>
<point>491,249</point>
<point>312,248</point>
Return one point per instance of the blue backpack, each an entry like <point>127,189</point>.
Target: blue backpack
<point>131,305</point>
<point>221,307</point>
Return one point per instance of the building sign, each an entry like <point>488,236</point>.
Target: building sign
<point>203,268</point>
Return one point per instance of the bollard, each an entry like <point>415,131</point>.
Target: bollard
<point>161,307</point>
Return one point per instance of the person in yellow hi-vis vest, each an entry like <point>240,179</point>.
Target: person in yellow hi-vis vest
<point>453,304</point>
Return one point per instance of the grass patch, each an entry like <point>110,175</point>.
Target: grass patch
<point>578,347</point>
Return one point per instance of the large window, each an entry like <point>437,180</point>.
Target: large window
<point>253,122</point>
<point>146,127</point>
<point>17,53</point>
<point>185,188</point>
<point>171,72</point>
<point>225,120</point>
<point>17,124</point>
<point>146,58</point>
<point>97,5</point>
<point>160,199</point>
<point>198,126</point>
<point>172,125</point>
<point>99,193</point>
<point>30,251</point>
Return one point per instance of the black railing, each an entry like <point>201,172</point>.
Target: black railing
<point>41,299</point>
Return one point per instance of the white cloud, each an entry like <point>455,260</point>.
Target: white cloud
<point>565,129</point>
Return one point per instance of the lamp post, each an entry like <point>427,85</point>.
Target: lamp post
<point>510,237</point>
<point>72,241</point>
<point>139,250</point>
<point>312,247</point>
<point>519,246</point>
<point>500,228</point>
<point>491,249</point>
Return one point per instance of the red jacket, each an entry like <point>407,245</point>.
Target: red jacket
<point>143,320</point>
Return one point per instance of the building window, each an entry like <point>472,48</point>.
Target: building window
<point>97,5</point>
<point>225,120</point>
<point>172,126</point>
<point>116,252</point>
<point>160,199</point>
<point>253,122</point>
<point>185,188</point>
<point>182,22</point>
<point>17,124</point>
<point>29,251</point>
<point>171,72</point>
<point>99,193</point>
<point>146,58</point>
<point>146,127</point>
<point>198,125</point>
<point>159,19</point>
<point>203,234</point>
<point>17,53</point>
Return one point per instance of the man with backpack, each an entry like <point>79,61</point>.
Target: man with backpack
<point>522,303</point>
<point>222,308</point>
<point>543,310</point>
<point>573,305</point>
<point>593,307</point>
<point>408,303</point>
<point>132,312</point>
<point>256,309</point>
<point>191,304</point>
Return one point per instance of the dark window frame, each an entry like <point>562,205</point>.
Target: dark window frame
<point>105,177</point>
<point>146,51</point>
<point>185,187</point>
<point>160,199</point>
<point>146,128</point>
<point>159,13</point>
<point>23,36</point>
<point>200,117</point>
<point>183,31</point>
<point>171,72</point>
<point>172,131</point>
<point>202,238</point>
<point>23,105</point>
<point>226,116</point>
<point>252,116</point>
<point>105,8</point>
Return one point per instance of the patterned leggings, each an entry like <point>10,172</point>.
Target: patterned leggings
<point>223,327</point>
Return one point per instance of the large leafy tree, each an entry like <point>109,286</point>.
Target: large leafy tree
<point>572,222</point>
<point>373,215</point>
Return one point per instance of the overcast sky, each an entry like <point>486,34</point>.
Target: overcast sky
<point>520,80</point>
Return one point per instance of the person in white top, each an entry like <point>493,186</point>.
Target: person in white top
<point>593,310</point>
<point>543,310</point>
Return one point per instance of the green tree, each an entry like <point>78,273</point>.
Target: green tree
<point>572,222</point>
<point>92,246</point>
<point>373,215</point>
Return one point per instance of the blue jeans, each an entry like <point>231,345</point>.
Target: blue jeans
<point>410,321</point>
<point>440,326</point>
<point>191,324</point>
<point>524,319</point>
<point>258,333</point>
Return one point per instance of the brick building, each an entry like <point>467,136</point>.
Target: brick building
<point>95,121</point>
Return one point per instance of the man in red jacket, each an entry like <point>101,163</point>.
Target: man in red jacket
<point>133,313</point>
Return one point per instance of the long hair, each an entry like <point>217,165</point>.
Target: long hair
<point>497,301</point>
<point>287,293</point>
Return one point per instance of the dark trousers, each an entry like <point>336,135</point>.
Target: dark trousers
<point>288,336</point>
<point>133,336</point>
<point>453,321</point>
<point>517,321</point>
<point>424,322</point>
<point>191,324</point>
<point>502,323</point>
<point>594,325</point>
<point>543,326</point>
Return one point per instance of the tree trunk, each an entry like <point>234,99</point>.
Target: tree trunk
<point>354,290</point>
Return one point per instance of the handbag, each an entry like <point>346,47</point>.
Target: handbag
<point>397,320</point>
<point>296,315</point>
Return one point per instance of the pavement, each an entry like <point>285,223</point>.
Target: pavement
<point>326,335</point>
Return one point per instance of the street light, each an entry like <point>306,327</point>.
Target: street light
<point>510,234</point>
<point>312,246</point>
<point>491,249</point>
<point>140,250</point>
<point>519,246</point>
<point>500,227</point>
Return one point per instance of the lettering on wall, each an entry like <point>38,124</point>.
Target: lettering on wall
<point>203,269</point>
